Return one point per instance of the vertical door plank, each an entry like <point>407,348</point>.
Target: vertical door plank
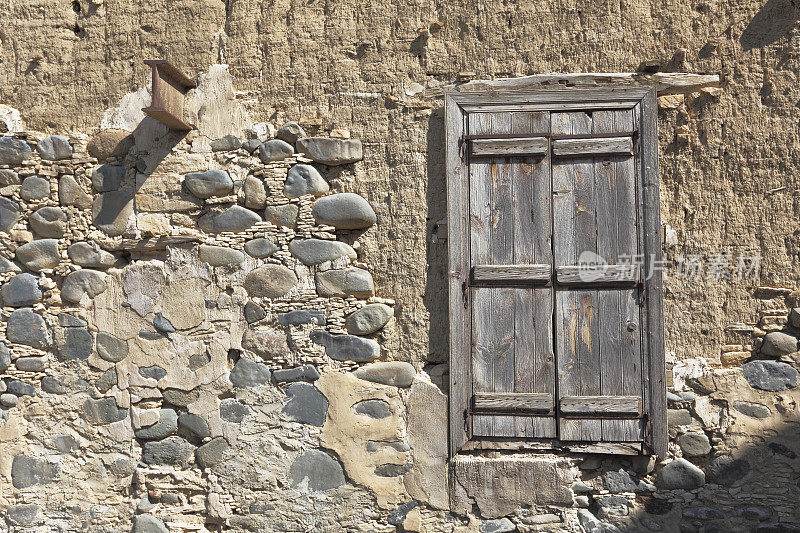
<point>501,242</point>
<point>586,242</point>
<point>480,188</point>
<point>524,236</point>
<point>609,214</point>
<point>566,321</point>
<point>458,246</point>
<point>544,377</point>
<point>629,232</point>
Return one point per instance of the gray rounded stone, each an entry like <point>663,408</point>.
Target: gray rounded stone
<point>306,404</point>
<point>153,372</point>
<point>290,132</point>
<point>166,426</point>
<point>304,179</point>
<point>173,450</point>
<point>107,178</point>
<point>274,150</point>
<point>80,282</point>
<point>52,385</point>
<point>34,188</point>
<point>110,143</point>
<point>368,319</point>
<point>778,343</point>
<point>75,344</point>
<point>8,266</point>
<point>248,373</point>
<point>90,255</point>
<point>9,213</point>
<point>346,347</point>
<point>72,194</point>
<point>145,523</point>
<point>194,424</point>
<point>232,410</point>
<point>302,316</point>
<point>298,373</point>
<point>255,194</point>
<point>253,312</point>
<point>220,255</point>
<point>111,348</point>
<point>678,417</point>
<point>394,373</point>
<point>103,411</point>
<point>317,251</point>
<point>8,177</point>
<point>5,357</point>
<point>794,317</point>
<point>31,364</point>
<point>20,291</point>
<point>49,222</point>
<point>282,215</point>
<point>23,514</point>
<point>680,474</point>
<point>212,452</point>
<point>266,343</point>
<point>13,151</point>
<point>500,525</point>
<point>756,410</point>
<point>235,218</point>
<point>29,471</point>
<point>26,327</point>
<point>107,380</point>
<point>331,151</point>
<point>344,211</point>
<point>54,148</point>
<point>226,144</point>
<point>214,182</point>
<point>315,470</point>
<point>162,324</point>
<point>251,145</point>
<point>8,400</point>
<point>694,444</point>
<point>66,443</point>
<point>351,281</point>
<point>770,375</point>
<point>111,212</point>
<point>39,255</point>
<point>260,248</point>
<point>269,281</point>
<point>20,388</point>
<point>726,471</point>
<point>373,409</point>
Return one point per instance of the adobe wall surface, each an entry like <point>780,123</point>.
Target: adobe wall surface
<point>142,383</point>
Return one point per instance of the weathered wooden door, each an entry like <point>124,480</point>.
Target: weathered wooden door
<point>553,210</point>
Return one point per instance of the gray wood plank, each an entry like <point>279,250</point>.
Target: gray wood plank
<point>560,107</point>
<point>519,274</point>
<point>629,233</point>
<point>656,385</point>
<point>587,336</point>
<point>524,324</point>
<point>506,147</point>
<point>564,248</point>
<point>544,372</point>
<point>513,401</point>
<point>609,320</point>
<point>458,270</point>
<point>600,405</point>
<point>501,242</point>
<point>595,146</point>
<point>588,276</point>
<point>599,96</point>
<point>480,201</point>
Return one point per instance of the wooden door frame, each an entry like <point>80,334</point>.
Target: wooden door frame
<point>457,105</point>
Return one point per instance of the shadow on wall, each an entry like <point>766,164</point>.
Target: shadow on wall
<point>772,22</point>
<point>436,290</point>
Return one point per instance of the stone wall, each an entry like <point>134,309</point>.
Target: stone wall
<point>183,347</point>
